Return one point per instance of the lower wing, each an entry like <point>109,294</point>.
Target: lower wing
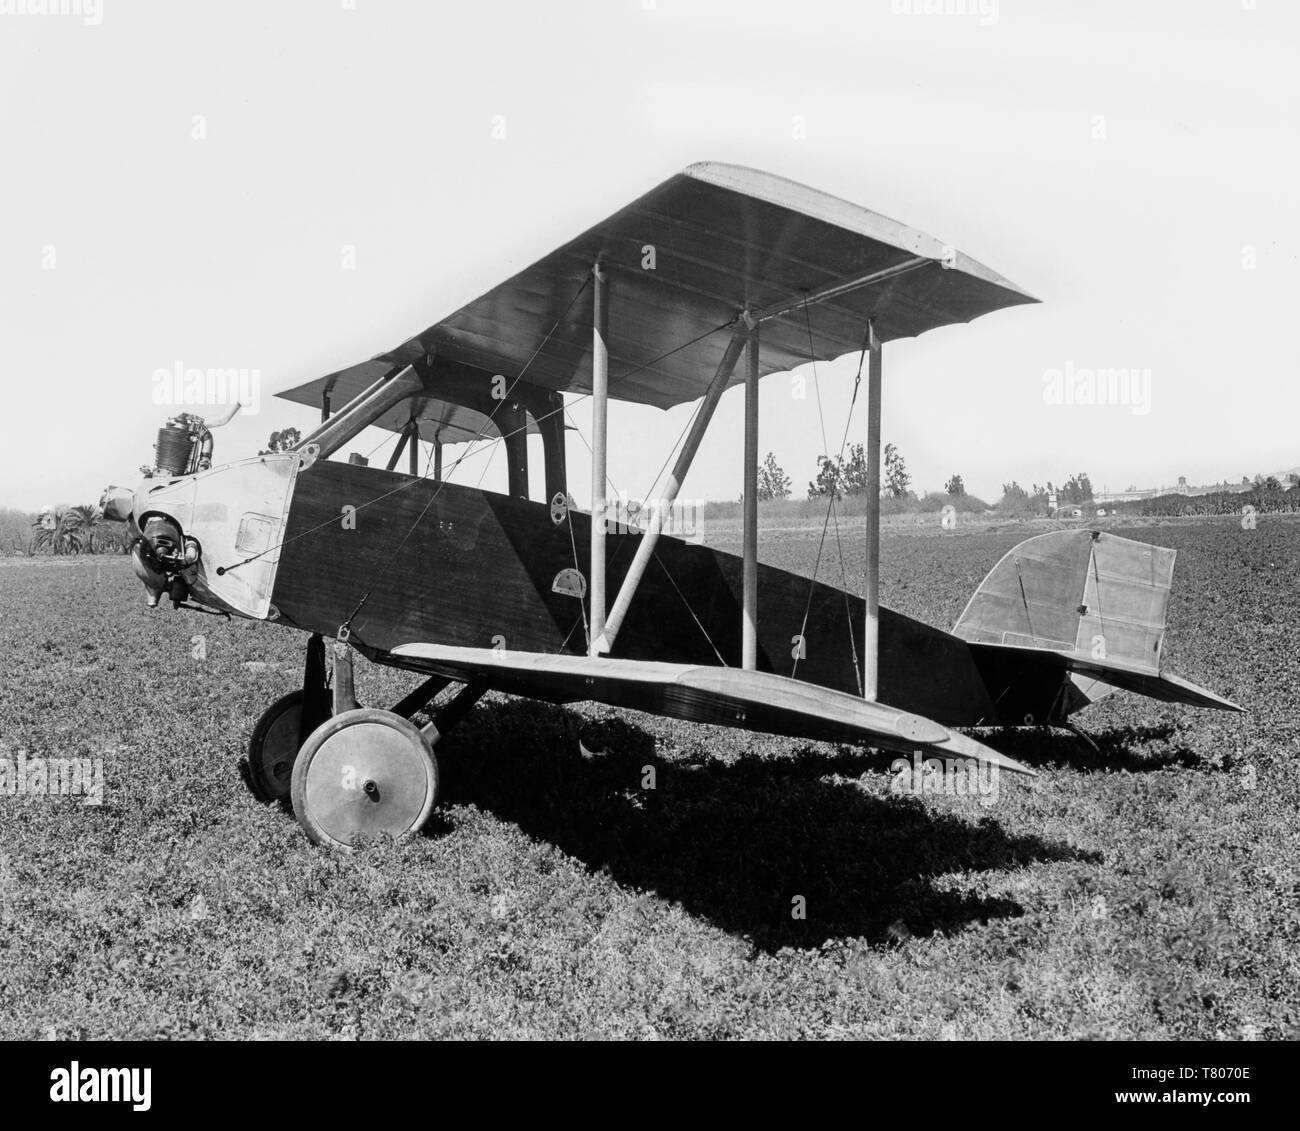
<point>757,701</point>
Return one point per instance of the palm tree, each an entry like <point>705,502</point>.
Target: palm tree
<point>87,519</point>
<point>107,537</point>
<point>88,523</point>
<point>59,530</point>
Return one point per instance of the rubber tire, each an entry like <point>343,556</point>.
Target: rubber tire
<point>261,782</point>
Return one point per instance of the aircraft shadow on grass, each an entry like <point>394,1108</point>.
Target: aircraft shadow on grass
<point>736,844</point>
<point>1133,749</point>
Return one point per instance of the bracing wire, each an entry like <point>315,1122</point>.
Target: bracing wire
<point>481,432</point>
<point>472,450</point>
<point>689,608</point>
<point>411,482</point>
<point>830,509</point>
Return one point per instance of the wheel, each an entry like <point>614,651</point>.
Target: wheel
<point>273,748</point>
<point>364,773</point>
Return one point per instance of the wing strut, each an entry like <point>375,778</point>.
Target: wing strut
<point>871,638</point>
<point>604,642</point>
<point>387,392</point>
<point>599,422</point>
<point>401,447</point>
<point>836,290</point>
<point>749,586</point>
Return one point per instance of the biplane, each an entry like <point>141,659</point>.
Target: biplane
<point>719,276</point>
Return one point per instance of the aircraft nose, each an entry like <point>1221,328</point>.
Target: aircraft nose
<point>210,539</point>
<point>159,557</point>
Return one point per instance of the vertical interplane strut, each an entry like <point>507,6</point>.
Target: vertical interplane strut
<point>871,638</point>
<point>599,422</point>
<point>749,584</point>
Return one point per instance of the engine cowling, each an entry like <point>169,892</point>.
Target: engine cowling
<point>212,537</point>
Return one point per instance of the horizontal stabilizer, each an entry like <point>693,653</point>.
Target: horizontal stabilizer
<point>1124,676</point>
<point>756,701</point>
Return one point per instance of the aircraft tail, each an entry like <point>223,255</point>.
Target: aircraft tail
<point>1087,602</point>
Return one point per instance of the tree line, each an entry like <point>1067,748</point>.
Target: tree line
<point>846,475</point>
<point>61,531</point>
<point>1265,495</point>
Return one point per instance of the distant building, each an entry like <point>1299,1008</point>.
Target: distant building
<point>1134,494</point>
<point>1130,496</point>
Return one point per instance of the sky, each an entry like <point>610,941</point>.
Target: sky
<point>288,187</point>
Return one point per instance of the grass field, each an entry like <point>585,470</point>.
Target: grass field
<point>1149,892</point>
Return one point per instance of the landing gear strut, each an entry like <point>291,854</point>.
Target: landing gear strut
<point>349,771</point>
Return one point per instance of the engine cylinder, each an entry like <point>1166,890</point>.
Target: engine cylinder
<point>174,448</point>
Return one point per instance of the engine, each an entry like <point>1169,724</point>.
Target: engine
<point>163,555</point>
<point>184,446</point>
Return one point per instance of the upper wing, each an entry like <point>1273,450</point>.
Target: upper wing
<point>685,259</point>
<point>758,701</point>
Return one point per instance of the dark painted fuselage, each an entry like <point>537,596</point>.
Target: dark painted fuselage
<point>422,562</point>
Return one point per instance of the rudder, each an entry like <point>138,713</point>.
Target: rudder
<point>1084,593</point>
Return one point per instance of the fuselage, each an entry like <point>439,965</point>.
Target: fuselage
<point>398,559</point>
<point>401,560</point>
